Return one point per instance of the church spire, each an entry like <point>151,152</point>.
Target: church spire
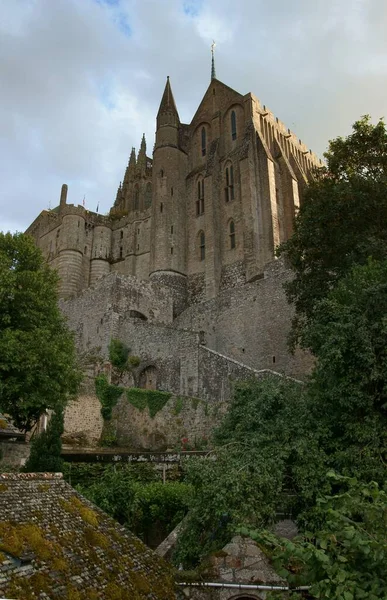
<point>167,104</point>
<point>132,161</point>
<point>213,73</point>
<point>141,159</point>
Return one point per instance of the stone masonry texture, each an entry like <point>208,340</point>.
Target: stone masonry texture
<point>182,269</point>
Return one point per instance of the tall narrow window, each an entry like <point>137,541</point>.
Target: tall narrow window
<point>136,197</point>
<point>202,245</point>
<point>232,235</point>
<point>229,187</point>
<point>200,198</point>
<point>231,183</point>
<point>204,142</point>
<point>233,125</point>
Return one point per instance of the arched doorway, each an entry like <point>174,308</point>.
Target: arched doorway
<point>148,378</point>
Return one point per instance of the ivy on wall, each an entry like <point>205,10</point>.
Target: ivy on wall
<point>155,400</point>
<point>107,394</point>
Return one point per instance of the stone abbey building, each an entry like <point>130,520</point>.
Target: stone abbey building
<point>183,268</point>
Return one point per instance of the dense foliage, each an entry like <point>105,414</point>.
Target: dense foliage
<point>155,400</point>
<point>346,559</point>
<point>348,389</point>
<point>46,448</point>
<point>37,354</point>
<point>108,395</point>
<point>118,354</point>
<point>342,221</point>
<point>149,508</point>
<point>266,453</point>
<point>120,357</point>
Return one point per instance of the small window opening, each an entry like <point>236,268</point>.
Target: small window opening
<point>138,231</point>
<point>229,188</point>
<point>233,125</point>
<point>85,252</point>
<point>162,173</point>
<point>171,191</point>
<point>138,246</point>
<point>200,198</point>
<point>232,235</point>
<point>202,245</point>
<point>172,250</point>
<point>122,234</point>
<point>171,228</point>
<point>161,207</point>
<point>121,251</point>
<point>204,141</point>
<point>273,360</point>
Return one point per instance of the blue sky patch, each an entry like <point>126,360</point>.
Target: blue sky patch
<point>192,7</point>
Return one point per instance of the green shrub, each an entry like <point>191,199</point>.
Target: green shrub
<point>46,448</point>
<point>118,354</point>
<point>154,399</point>
<point>107,394</point>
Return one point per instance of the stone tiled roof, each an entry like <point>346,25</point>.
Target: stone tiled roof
<point>8,429</point>
<point>55,544</point>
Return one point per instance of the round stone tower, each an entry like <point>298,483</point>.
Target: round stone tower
<point>100,255</point>
<point>70,241</point>
<point>168,233</point>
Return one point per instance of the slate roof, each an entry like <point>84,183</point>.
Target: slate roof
<point>55,544</point>
<point>8,431</point>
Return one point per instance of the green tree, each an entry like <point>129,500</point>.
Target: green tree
<point>346,559</point>
<point>149,508</point>
<point>46,448</point>
<point>37,353</point>
<point>342,221</point>
<point>348,388</point>
<point>267,456</point>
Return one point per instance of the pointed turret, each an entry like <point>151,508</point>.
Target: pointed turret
<point>168,121</point>
<point>130,173</point>
<point>118,196</point>
<point>141,160</point>
<point>132,161</point>
<point>167,112</point>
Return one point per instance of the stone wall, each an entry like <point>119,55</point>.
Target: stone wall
<point>13,454</point>
<point>83,422</point>
<point>181,418</point>
<point>250,324</point>
<point>95,314</point>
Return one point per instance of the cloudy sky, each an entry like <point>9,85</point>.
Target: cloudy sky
<point>81,81</point>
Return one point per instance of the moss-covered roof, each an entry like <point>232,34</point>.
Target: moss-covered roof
<point>56,544</point>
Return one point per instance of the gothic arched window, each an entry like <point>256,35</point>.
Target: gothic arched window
<point>202,245</point>
<point>232,234</point>
<point>204,141</point>
<point>136,202</point>
<point>233,125</point>
<point>200,197</point>
<point>148,195</point>
<point>229,187</point>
